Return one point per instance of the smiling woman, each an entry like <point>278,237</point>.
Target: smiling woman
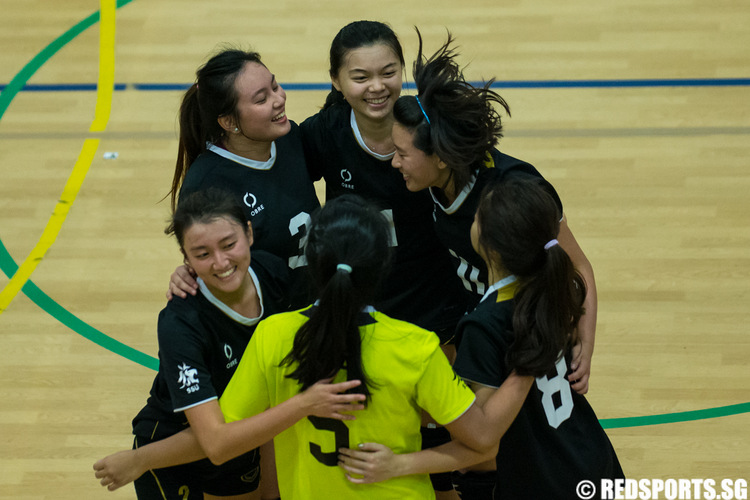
<point>234,134</point>
<point>201,336</point>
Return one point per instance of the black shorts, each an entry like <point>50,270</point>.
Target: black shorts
<point>189,481</point>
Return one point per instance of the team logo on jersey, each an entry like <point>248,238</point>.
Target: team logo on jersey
<point>188,378</point>
<point>346,176</point>
<point>252,202</point>
<point>251,476</point>
<point>228,354</point>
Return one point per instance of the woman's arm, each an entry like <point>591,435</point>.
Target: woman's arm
<point>231,439</point>
<point>583,352</point>
<point>373,462</point>
<point>223,441</point>
<point>483,424</point>
<point>476,437</point>
<point>123,467</point>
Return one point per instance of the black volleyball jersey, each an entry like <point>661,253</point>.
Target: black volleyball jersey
<point>277,195</point>
<point>556,440</point>
<point>201,341</point>
<point>422,287</point>
<point>453,223</point>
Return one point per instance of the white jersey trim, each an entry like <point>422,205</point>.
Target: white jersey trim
<point>243,320</point>
<point>498,285</point>
<point>257,165</point>
<point>195,404</point>
<point>462,413</point>
<point>468,380</point>
<point>361,141</point>
<point>460,199</point>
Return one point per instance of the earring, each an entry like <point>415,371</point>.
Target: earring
<point>236,129</point>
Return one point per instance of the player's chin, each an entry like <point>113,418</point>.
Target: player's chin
<point>413,186</point>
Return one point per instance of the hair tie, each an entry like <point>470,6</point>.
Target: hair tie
<point>344,267</point>
<point>550,244</point>
<point>423,111</point>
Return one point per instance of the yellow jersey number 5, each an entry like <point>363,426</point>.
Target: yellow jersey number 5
<point>340,435</point>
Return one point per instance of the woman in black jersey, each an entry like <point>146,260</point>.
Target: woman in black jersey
<point>445,141</point>
<point>349,144</point>
<point>526,322</point>
<point>234,134</point>
<point>201,340</point>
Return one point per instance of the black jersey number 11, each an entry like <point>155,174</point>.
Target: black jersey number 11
<point>341,436</point>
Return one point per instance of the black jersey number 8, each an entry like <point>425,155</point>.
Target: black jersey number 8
<point>341,436</point>
<point>556,413</point>
<point>296,225</point>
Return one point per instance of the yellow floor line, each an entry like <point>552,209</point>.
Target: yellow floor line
<point>104,91</point>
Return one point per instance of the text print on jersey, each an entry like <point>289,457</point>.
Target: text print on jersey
<point>188,378</point>
<point>250,200</point>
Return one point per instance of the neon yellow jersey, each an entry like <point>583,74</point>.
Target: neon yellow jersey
<point>409,372</point>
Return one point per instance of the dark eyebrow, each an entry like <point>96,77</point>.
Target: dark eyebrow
<point>387,67</point>
<point>201,247</point>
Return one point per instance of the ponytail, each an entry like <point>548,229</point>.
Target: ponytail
<point>518,222</point>
<point>191,142</point>
<point>548,305</point>
<point>333,98</point>
<point>347,253</point>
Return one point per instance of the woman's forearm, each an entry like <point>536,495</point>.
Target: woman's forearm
<point>178,449</point>
<point>447,457</point>
<point>223,441</point>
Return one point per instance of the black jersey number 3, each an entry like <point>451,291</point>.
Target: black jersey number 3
<point>299,226</point>
<point>340,434</point>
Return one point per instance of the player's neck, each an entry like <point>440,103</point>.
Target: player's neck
<point>446,188</point>
<point>495,272</point>
<point>376,134</point>
<point>248,148</point>
<point>245,301</point>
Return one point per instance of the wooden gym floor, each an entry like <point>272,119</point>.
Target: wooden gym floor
<point>638,112</point>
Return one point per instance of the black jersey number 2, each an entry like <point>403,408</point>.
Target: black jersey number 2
<point>299,225</point>
<point>340,434</point>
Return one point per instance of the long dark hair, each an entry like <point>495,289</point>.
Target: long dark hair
<point>456,121</point>
<point>517,219</point>
<point>212,95</point>
<point>347,231</point>
<point>353,36</point>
